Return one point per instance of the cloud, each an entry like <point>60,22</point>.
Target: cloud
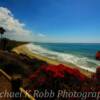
<point>41,35</point>
<point>14,28</point>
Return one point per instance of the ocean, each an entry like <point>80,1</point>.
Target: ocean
<point>78,54</point>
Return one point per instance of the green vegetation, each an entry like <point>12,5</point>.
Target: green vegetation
<point>10,44</point>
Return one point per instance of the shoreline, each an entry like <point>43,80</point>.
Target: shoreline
<point>22,49</point>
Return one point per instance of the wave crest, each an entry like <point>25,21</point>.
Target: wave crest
<point>82,62</point>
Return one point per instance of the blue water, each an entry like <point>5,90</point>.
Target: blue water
<point>79,54</point>
<point>79,49</point>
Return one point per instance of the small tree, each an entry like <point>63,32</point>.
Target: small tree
<point>2,31</point>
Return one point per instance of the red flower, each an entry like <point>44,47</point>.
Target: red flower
<point>98,55</point>
<point>54,71</point>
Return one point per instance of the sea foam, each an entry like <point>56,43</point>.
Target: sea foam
<point>82,62</point>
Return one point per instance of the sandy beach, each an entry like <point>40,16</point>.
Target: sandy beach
<point>22,49</point>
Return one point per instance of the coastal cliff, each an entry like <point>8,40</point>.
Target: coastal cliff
<point>40,73</point>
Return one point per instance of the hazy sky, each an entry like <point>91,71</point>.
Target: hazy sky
<point>51,20</point>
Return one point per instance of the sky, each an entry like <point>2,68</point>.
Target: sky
<point>76,21</point>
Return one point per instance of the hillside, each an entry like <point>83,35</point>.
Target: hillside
<point>38,74</point>
<point>8,44</point>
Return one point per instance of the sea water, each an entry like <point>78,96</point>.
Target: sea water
<point>78,54</point>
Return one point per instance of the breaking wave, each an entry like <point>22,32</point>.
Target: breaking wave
<point>79,61</point>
